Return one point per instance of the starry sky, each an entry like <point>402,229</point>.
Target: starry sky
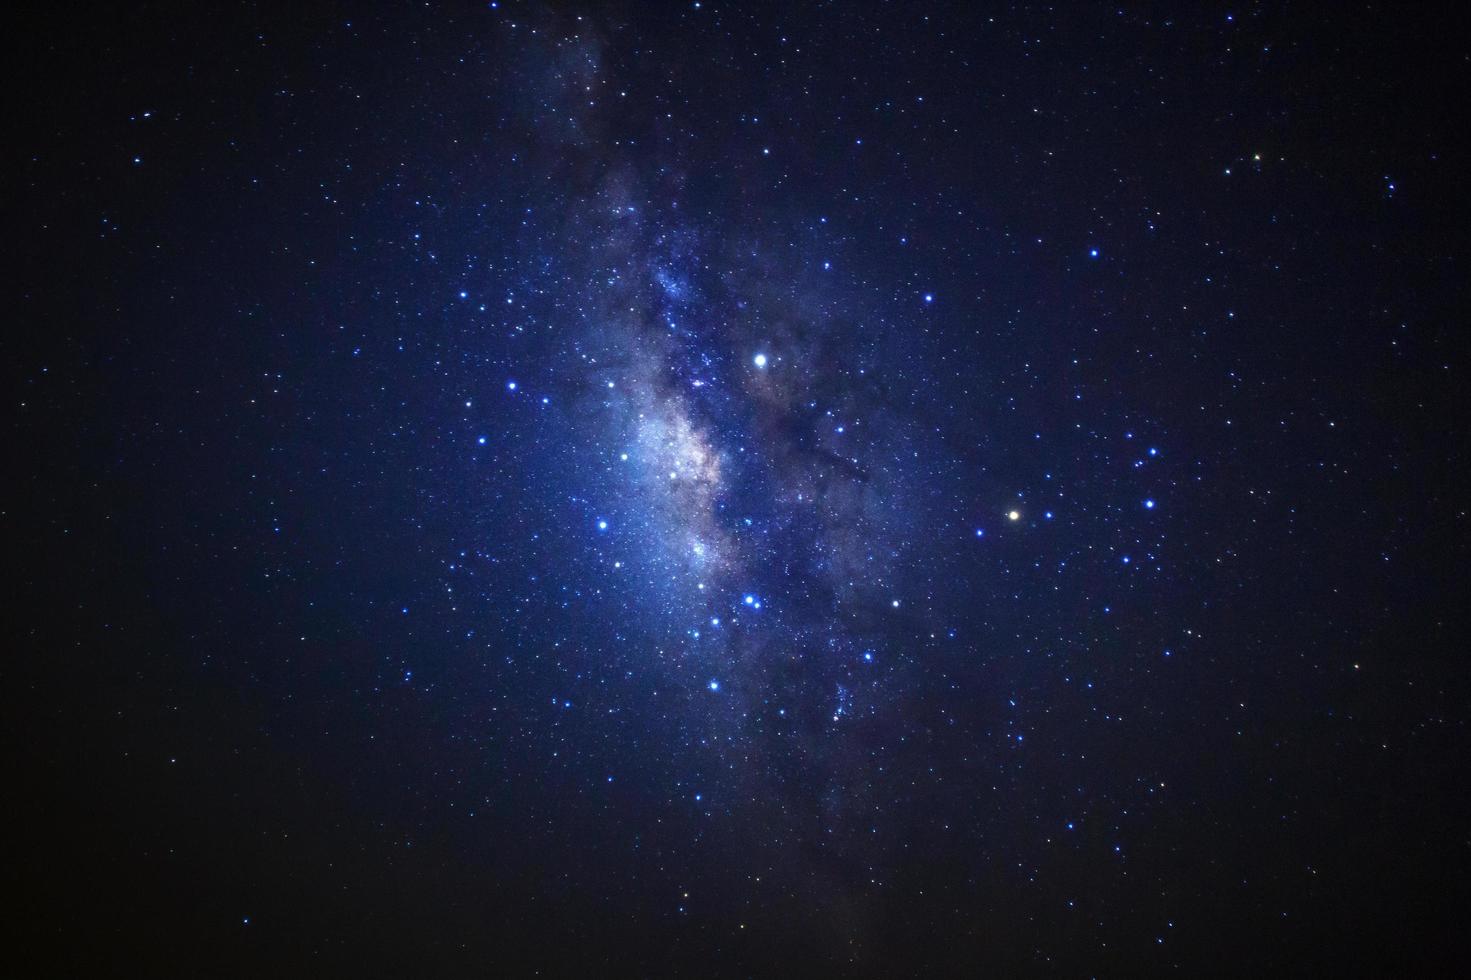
<point>737,489</point>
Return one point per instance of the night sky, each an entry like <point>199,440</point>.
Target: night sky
<point>724,489</point>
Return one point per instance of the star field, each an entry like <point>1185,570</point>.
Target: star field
<point>752,490</point>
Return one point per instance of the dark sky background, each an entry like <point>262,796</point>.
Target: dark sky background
<point>734,489</point>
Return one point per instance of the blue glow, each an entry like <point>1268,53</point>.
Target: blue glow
<point>1092,253</point>
<point>714,685</point>
<point>602,525</point>
<point>1149,505</point>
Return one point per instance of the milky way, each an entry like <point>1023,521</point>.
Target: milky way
<point>754,490</point>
